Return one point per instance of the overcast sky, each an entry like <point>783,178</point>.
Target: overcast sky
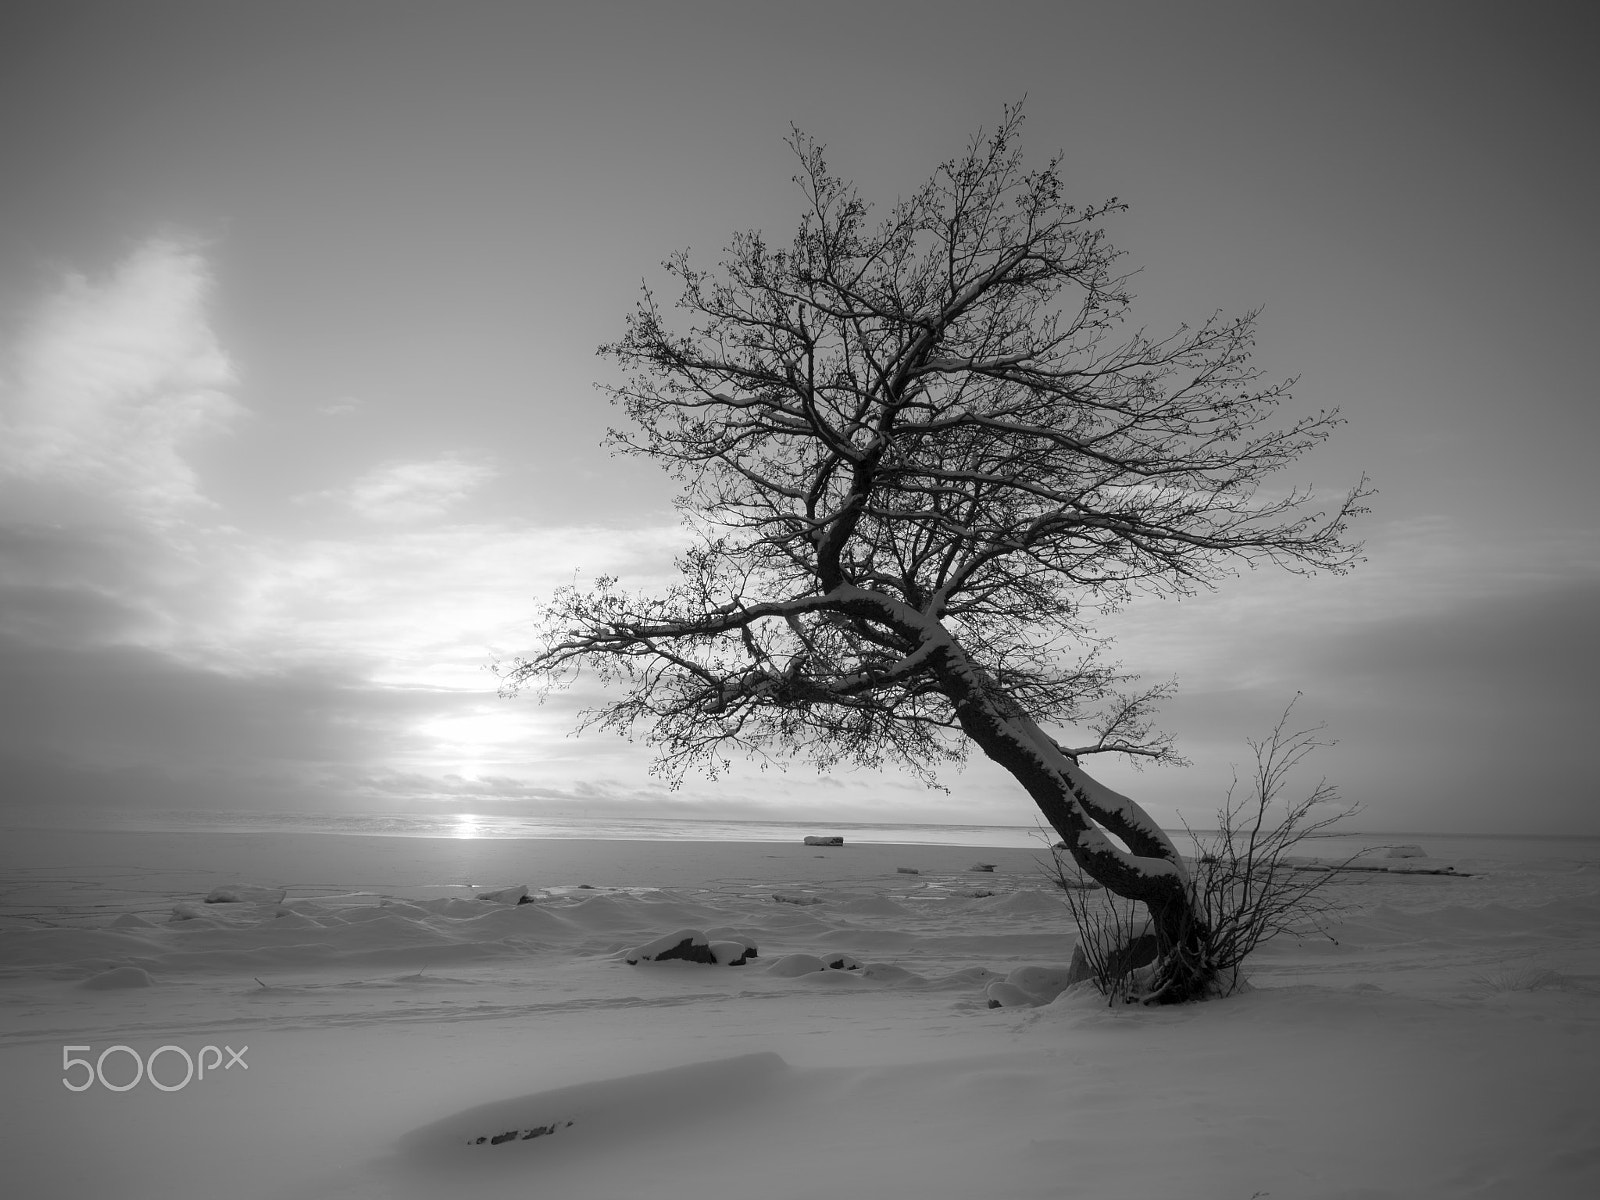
<point>298,310</point>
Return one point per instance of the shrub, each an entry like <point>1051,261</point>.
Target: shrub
<point>1245,885</point>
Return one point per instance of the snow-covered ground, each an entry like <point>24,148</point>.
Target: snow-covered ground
<point>391,1030</point>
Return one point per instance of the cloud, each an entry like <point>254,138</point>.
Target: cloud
<point>413,491</point>
<point>112,378</point>
<point>150,647</point>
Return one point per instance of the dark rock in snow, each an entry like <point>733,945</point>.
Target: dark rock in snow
<point>519,1135</point>
<point>734,953</point>
<point>690,945</point>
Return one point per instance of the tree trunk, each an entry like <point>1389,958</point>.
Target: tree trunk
<point>1079,808</point>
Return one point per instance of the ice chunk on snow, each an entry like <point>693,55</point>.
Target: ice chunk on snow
<point>824,841</point>
<point>792,965</point>
<point>505,895</point>
<point>1008,995</point>
<point>1031,986</point>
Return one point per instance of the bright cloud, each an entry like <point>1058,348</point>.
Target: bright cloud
<point>114,377</point>
<point>415,491</point>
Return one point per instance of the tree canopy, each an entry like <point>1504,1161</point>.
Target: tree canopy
<point>919,454</point>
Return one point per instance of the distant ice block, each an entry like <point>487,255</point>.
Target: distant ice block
<point>815,840</point>
<point>246,893</point>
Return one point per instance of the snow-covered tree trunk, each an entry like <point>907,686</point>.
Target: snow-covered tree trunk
<point>1083,811</point>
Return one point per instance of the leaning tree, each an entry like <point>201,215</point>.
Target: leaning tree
<point>917,456</point>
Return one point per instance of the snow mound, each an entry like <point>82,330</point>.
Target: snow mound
<point>893,974</point>
<point>185,911</point>
<point>734,953</point>
<point>117,978</point>
<point>1032,986</point>
<point>1409,851</point>
<point>963,980</point>
<point>791,965</point>
<point>608,913</point>
<point>607,1111</point>
<point>1001,994</point>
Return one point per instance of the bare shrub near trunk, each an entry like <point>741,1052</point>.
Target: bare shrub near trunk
<point>1246,886</point>
<point>1108,928</point>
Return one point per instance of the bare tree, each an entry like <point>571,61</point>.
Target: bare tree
<point>918,455</point>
